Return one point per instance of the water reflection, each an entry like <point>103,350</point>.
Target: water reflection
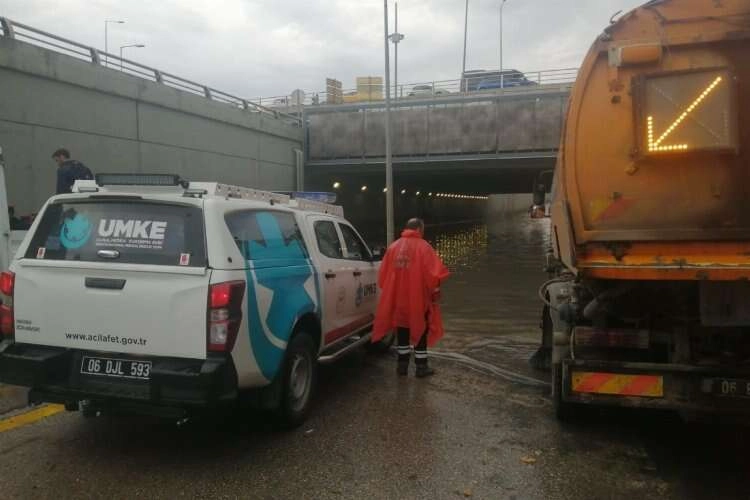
<point>459,246</point>
<point>496,269</point>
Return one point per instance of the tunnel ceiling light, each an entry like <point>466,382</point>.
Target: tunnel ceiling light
<point>385,190</point>
<point>429,194</point>
<point>403,191</point>
<point>363,188</point>
<point>336,185</point>
<point>418,193</point>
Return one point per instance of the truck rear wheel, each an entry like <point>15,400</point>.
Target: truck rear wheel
<point>299,379</point>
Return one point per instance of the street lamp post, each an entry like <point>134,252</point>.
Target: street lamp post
<point>466,31</point>
<point>138,45</point>
<point>502,4</point>
<point>396,37</point>
<point>106,38</point>
<point>388,160</point>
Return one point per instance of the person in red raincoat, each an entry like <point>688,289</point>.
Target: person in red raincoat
<point>409,279</point>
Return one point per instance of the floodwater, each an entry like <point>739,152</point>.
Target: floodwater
<point>496,268</point>
<point>482,427</point>
<point>490,306</point>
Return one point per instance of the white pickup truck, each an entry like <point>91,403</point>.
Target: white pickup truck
<point>149,294</point>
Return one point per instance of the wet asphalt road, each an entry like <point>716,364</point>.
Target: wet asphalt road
<point>481,428</point>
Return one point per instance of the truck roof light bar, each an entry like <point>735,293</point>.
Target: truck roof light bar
<point>320,196</point>
<point>139,180</point>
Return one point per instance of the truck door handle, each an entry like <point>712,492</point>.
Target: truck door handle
<point>329,275</point>
<point>105,283</point>
<point>357,273</point>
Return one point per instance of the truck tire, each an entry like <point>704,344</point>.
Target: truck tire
<point>382,346</point>
<point>564,411</point>
<point>299,379</point>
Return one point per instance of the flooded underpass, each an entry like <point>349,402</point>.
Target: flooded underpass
<point>491,310</point>
<point>482,427</point>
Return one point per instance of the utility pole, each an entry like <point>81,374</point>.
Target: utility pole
<point>396,37</point>
<point>466,31</point>
<point>389,225</point>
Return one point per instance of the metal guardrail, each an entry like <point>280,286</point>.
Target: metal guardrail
<point>285,107</point>
<point>528,81</point>
<point>24,33</point>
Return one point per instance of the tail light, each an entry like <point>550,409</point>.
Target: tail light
<point>7,284</point>
<point>224,315</point>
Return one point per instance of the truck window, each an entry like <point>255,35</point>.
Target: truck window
<point>328,240</point>
<point>355,247</point>
<point>139,232</point>
<point>266,234</point>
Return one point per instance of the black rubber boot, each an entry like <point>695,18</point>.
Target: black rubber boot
<point>403,367</point>
<point>424,371</point>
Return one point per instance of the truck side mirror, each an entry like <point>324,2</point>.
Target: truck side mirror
<point>377,254</point>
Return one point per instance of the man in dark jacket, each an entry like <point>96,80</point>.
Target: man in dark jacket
<point>69,171</point>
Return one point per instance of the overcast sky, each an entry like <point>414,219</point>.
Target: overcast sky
<point>270,47</point>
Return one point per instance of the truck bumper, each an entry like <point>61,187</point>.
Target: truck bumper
<point>175,387</point>
<point>701,389</point>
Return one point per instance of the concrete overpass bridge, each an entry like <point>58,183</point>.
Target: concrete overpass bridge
<point>475,143</point>
<point>118,115</point>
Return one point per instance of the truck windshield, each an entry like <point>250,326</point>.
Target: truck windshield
<point>135,232</point>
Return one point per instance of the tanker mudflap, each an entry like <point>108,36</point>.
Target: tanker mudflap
<point>617,384</point>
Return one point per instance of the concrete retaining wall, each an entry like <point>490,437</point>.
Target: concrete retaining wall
<point>500,124</point>
<point>508,203</point>
<point>118,123</point>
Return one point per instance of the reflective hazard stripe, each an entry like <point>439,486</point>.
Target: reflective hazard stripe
<point>650,386</point>
<point>420,354</point>
<point>403,350</point>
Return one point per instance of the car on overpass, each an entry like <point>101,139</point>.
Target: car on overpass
<point>426,91</point>
<point>506,79</point>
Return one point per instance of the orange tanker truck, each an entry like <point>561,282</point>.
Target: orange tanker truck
<point>649,305</point>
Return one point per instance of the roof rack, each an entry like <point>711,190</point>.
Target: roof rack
<point>230,191</point>
<point>172,183</point>
<point>317,206</point>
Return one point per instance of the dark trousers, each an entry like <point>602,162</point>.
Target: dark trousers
<point>404,351</point>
